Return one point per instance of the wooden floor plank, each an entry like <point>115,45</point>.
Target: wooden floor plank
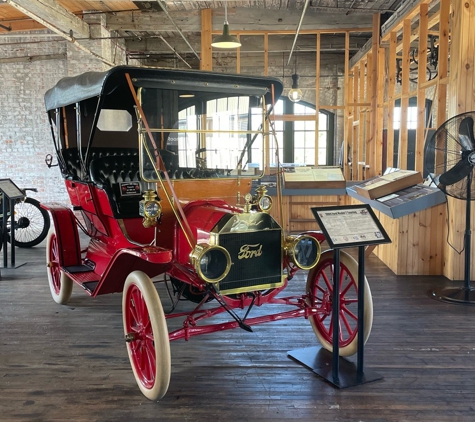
<point>69,362</point>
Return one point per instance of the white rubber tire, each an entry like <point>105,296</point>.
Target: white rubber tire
<point>148,326</point>
<point>348,262</point>
<point>61,286</point>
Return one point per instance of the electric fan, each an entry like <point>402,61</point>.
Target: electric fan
<point>449,157</point>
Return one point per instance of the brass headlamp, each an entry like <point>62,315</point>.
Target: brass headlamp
<point>150,209</point>
<point>261,201</point>
<point>302,250</point>
<point>211,262</point>
<point>264,201</point>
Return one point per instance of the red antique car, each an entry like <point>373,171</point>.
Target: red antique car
<point>159,166</point>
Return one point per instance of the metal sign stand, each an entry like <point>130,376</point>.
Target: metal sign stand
<point>339,371</point>
<point>10,194</point>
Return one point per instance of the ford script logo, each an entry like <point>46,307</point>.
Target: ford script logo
<point>250,251</point>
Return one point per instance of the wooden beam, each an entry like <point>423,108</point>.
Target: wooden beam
<point>31,59</point>
<point>242,20</point>
<point>54,16</point>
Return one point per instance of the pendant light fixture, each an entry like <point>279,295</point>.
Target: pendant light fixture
<point>226,40</point>
<point>295,93</point>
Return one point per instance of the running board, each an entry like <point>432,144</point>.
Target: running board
<point>84,276</point>
<point>89,286</point>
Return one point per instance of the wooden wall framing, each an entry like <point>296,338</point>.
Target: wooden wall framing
<point>452,92</point>
<point>410,33</point>
<point>373,83</point>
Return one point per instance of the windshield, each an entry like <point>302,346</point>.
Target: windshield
<point>201,135</point>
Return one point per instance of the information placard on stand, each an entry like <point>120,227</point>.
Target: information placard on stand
<point>10,194</point>
<point>344,227</point>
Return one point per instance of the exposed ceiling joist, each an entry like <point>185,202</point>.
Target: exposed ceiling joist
<point>52,15</point>
<point>59,20</point>
<point>164,8</point>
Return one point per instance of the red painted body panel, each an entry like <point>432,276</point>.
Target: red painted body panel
<point>67,234</point>
<point>152,261</point>
<point>202,216</point>
<point>115,248</point>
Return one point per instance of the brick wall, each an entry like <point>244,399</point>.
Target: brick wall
<point>25,138</point>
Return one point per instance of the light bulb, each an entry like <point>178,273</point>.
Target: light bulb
<point>295,95</point>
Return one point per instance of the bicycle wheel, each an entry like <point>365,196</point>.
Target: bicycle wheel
<point>31,223</point>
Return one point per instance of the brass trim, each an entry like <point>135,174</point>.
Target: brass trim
<point>200,250</point>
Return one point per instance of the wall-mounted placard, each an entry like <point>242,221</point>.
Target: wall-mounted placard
<point>350,225</point>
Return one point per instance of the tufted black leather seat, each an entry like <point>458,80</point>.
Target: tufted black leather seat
<point>108,172</point>
<point>72,165</point>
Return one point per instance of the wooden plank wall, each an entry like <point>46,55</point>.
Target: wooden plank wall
<point>297,214</point>
<point>461,99</point>
<point>415,247</point>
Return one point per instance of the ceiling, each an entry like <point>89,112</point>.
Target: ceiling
<point>161,29</point>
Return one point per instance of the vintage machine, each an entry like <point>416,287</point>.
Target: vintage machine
<point>157,166</point>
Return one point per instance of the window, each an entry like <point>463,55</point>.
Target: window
<point>297,138</point>
<point>411,118</point>
<point>187,142</point>
<point>411,113</point>
<point>231,139</point>
<point>114,120</point>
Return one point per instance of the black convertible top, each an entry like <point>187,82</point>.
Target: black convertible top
<point>74,89</point>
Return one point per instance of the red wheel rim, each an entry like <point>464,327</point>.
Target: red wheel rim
<point>54,267</point>
<point>142,347</point>
<point>322,297</point>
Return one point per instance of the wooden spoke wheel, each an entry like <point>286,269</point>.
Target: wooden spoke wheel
<point>60,284</point>
<point>320,295</point>
<point>146,335</point>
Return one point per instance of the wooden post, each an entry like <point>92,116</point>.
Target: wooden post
<point>362,115</point>
<point>421,92</point>
<point>391,91</point>
<point>461,99</point>
<point>346,134</point>
<point>356,124</point>
<point>206,39</point>
<point>317,95</point>
<point>369,113</point>
<point>371,151</point>
<point>378,127</point>
<point>406,46</point>
<point>266,54</point>
<point>443,60</point>
<point>238,57</point>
